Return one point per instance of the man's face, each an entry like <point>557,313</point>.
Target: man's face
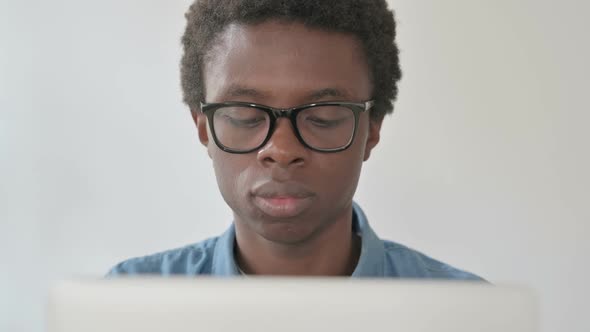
<point>285,192</point>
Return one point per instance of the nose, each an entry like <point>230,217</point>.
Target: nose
<point>283,148</point>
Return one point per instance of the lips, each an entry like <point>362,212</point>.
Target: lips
<point>282,200</point>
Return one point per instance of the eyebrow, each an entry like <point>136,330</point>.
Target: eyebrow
<point>328,92</point>
<point>241,91</point>
<point>237,91</point>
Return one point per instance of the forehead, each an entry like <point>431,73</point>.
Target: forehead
<point>285,62</point>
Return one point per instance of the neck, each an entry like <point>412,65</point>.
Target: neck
<point>333,251</point>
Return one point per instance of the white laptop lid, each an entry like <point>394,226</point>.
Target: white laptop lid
<point>287,304</point>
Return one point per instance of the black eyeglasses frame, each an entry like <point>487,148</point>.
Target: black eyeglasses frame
<point>291,113</point>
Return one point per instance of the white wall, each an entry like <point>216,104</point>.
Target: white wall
<point>484,165</point>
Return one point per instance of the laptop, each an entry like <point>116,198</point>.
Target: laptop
<point>287,304</point>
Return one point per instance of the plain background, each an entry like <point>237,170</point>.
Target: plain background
<point>484,164</point>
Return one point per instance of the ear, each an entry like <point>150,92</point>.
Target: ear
<point>200,120</point>
<point>373,136</point>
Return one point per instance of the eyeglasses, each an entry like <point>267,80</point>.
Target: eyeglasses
<point>240,127</point>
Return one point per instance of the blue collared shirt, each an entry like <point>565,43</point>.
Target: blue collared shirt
<point>215,256</point>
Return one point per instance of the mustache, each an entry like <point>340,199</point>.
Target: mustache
<point>271,189</point>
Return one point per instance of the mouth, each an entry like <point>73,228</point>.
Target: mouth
<point>282,206</point>
<point>282,202</point>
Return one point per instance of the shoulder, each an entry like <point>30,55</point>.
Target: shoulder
<point>405,262</point>
<point>192,259</point>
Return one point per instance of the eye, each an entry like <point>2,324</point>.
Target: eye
<point>324,122</point>
<point>240,117</point>
<point>326,117</point>
<point>244,122</point>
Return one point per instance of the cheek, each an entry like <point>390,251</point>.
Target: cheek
<point>345,169</point>
<point>340,175</point>
<point>232,176</point>
<point>349,162</point>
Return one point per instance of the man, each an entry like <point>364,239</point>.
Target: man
<point>288,97</point>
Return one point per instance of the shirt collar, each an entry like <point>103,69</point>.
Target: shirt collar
<point>372,260</point>
<point>370,264</point>
<point>223,256</point>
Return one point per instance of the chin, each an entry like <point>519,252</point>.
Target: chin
<point>286,232</point>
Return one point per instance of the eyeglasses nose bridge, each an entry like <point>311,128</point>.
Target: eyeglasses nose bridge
<point>281,113</point>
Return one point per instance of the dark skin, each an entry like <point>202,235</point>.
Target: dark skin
<point>292,206</point>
